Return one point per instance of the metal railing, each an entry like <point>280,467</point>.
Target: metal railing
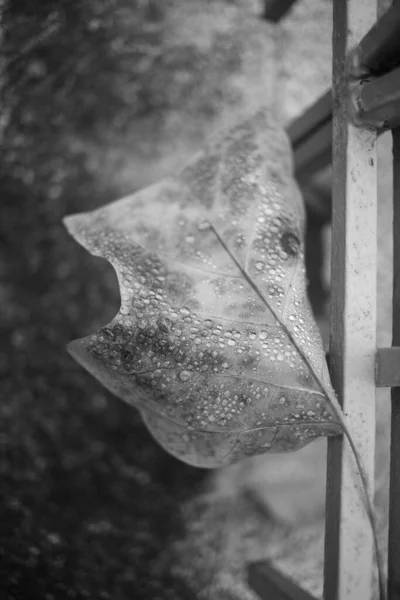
<point>341,127</point>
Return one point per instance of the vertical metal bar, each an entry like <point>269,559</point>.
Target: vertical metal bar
<point>394,489</point>
<point>348,537</point>
<point>394,493</point>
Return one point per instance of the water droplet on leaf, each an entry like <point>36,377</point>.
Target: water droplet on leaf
<point>185,375</point>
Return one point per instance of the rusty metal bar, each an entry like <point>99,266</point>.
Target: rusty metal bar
<point>394,493</point>
<point>348,535</point>
<point>271,585</point>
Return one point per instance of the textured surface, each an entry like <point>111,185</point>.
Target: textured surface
<point>160,76</point>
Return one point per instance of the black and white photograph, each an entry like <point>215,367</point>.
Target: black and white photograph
<point>200,300</point>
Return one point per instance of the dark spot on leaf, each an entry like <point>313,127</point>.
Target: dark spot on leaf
<point>108,334</point>
<point>118,330</point>
<point>290,243</point>
<point>140,337</point>
<point>126,355</point>
<point>163,326</point>
<point>127,334</point>
<point>95,351</point>
<point>247,361</point>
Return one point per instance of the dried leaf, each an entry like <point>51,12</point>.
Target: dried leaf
<point>215,343</point>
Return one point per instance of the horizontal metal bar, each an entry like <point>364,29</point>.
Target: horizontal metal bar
<point>376,102</point>
<point>276,9</point>
<point>379,50</point>
<point>387,367</point>
<point>311,137</point>
<point>311,120</point>
<point>315,152</point>
<point>269,584</point>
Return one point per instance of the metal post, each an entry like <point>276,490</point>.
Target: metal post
<point>394,494</point>
<point>348,537</point>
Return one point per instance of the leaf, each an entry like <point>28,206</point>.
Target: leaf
<point>215,343</point>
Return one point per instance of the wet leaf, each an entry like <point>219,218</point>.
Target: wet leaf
<point>215,343</point>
